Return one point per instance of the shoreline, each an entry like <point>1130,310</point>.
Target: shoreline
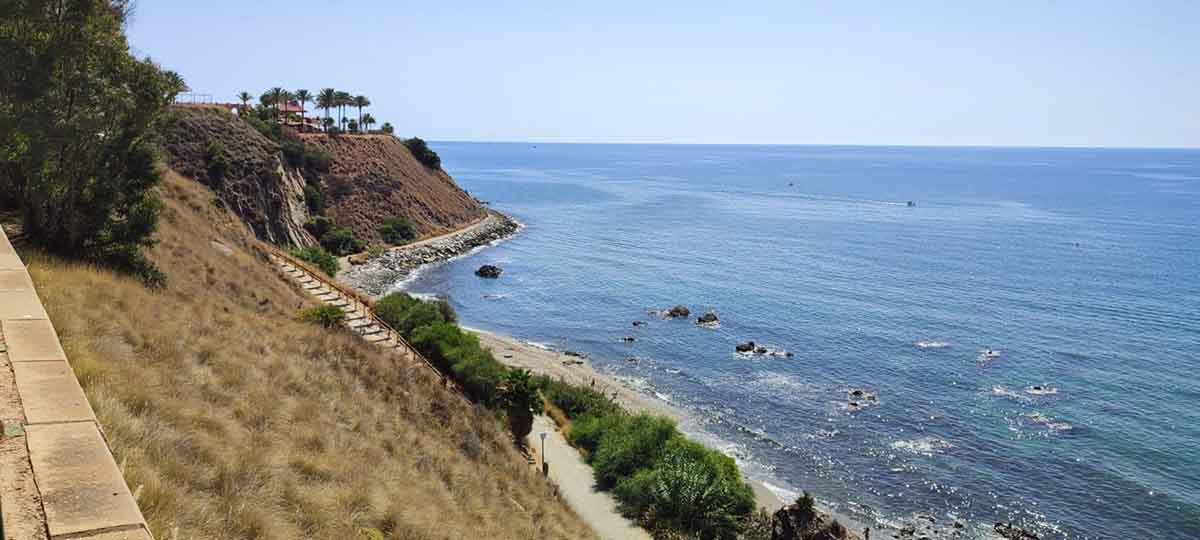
<point>579,371</point>
<point>376,276</point>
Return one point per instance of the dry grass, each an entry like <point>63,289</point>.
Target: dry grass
<point>231,419</point>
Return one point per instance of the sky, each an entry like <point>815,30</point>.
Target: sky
<point>1066,73</point>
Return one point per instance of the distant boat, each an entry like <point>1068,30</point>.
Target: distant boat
<point>911,204</point>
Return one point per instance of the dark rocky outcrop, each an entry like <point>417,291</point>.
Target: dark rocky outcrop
<point>802,521</point>
<point>489,271</point>
<point>678,312</point>
<point>745,347</point>
<point>1013,532</point>
<point>708,319</point>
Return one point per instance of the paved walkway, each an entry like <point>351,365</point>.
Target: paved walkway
<point>58,478</point>
<point>577,485</point>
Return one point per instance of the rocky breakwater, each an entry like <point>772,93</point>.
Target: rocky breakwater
<point>376,275</point>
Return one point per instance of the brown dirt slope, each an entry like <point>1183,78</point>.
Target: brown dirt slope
<point>231,419</point>
<point>375,177</point>
<point>256,186</point>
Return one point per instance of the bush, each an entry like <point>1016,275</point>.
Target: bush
<point>521,401</point>
<point>318,226</point>
<point>327,316</point>
<point>577,401</point>
<point>397,231</point>
<point>633,444</point>
<point>423,153</point>
<point>692,489</point>
<point>322,259</point>
<point>293,153</point>
<point>304,156</point>
<point>218,164</point>
<point>267,128</point>
<point>406,314</point>
<point>314,200</point>
<point>341,241</point>
<point>316,160</point>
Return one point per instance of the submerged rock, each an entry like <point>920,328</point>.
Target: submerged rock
<point>627,339</point>
<point>489,271</point>
<point>708,319</point>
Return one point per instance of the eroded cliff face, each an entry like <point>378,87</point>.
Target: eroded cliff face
<point>375,177</point>
<point>370,179</point>
<point>254,182</point>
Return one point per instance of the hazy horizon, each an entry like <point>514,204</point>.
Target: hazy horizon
<point>1072,75</point>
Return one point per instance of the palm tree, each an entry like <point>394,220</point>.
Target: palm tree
<point>245,97</point>
<point>343,99</point>
<point>368,121</point>
<point>278,95</point>
<point>327,122</point>
<point>387,128</point>
<point>360,102</point>
<point>327,99</point>
<point>303,97</point>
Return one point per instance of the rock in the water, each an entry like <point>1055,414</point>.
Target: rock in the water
<point>627,339</point>
<point>708,318</point>
<point>760,350</point>
<point>745,347</point>
<point>1012,532</point>
<point>488,271</point>
<point>639,323</point>
<point>679,311</point>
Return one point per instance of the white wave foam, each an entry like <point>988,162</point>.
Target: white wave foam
<point>926,446</point>
<point>1006,393</point>
<point>542,346</point>
<point>931,344</point>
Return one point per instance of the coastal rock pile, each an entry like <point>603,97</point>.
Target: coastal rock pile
<point>709,320</point>
<point>377,275</point>
<point>677,312</point>
<point>802,521</point>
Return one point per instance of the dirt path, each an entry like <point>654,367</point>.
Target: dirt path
<point>576,484</point>
<point>344,261</point>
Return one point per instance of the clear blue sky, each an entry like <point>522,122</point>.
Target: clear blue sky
<point>925,73</point>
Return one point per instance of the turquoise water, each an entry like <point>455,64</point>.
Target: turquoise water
<point>1080,267</point>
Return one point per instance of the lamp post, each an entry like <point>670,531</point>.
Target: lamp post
<point>543,436</point>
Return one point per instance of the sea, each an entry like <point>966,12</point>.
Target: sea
<point>877,279</point>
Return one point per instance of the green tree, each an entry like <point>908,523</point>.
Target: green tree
<point>387,128</point>
<point>278,97</point>
<point>518,394</point>
<point>343,100</point>
<point>303,97</point>
<point>76,115</point>
<point>360,102</point>
<point>245,98</point>
<point>327,99</point>
<point>368,121</point>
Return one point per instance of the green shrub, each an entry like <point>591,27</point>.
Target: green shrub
<point>397,231</point>
<point>267,128</point>
<point>521,401</point>
<point>691,488</point>
<point>340,241</point>
<point>293,153</point>
<point>314,199</point>
<point>217,163</point>
<point>586,431</point>
<point>318,226</point>
<point>327,316</point>
<point>322,259</point>
<point>424,154</point>
<point>406,314</point>
<point>316,160</point>
<point>630,445</point>
<point>577,401</point>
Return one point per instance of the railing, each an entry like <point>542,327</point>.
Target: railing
<point>364,304</point>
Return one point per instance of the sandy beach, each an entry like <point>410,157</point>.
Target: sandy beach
<point>579,371</point>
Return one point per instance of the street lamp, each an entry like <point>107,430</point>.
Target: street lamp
<point>543,436</point>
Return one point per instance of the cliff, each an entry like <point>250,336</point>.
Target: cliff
<point>375,177</point>
<point>254,183</point>
<point>367,179</point>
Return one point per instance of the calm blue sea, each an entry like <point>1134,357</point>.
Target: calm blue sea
<point>1080,267</point>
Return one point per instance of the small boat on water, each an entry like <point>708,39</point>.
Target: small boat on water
<point>911,204</point>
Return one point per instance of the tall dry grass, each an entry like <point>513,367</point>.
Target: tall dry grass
<point>231,419</point>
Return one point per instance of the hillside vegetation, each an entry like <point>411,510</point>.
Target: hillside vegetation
<point>373,178</point>
<point>234,419</point>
